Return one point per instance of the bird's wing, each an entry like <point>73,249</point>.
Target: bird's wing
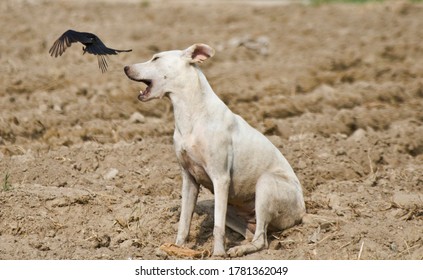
<point>65,40</point>
<point>102,63</point>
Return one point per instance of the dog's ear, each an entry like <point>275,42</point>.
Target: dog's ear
<point>198,53</point>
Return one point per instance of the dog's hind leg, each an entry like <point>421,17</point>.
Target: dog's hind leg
<point>239,223</point>
<point>279,203</point>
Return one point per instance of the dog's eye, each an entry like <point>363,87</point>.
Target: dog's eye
<point>155,58</point>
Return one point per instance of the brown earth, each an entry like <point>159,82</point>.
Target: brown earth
<point>88,172</point>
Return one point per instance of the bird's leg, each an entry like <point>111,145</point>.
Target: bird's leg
<point>84,51</point>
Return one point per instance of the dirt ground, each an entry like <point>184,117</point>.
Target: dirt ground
<point>89,172</point>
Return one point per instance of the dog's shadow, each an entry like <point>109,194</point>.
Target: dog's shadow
<point>205,209</point>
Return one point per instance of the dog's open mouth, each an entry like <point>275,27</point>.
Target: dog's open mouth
<point>144,93</point>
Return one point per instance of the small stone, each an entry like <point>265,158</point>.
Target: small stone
<point>111,174</point>
<point>301,164</point>
<point>137,118</point>
<point>358,135</point>
<point>408,200</point>
<point>57,108</point>
<point>126,244</point>
<point>127,188</point>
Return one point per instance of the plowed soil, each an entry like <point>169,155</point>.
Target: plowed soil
<point>89,172</point>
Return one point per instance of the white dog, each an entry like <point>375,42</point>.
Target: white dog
<point>253,184</point>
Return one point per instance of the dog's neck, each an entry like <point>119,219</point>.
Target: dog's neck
<point>195,103</point>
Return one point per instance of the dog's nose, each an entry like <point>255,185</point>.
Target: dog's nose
<point>126,69</point>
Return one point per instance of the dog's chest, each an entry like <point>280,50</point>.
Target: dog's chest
<point>191,156</point>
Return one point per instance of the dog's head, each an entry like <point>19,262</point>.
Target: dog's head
<point>168,72</point>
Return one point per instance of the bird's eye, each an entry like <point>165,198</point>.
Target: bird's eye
<point>155,58</point>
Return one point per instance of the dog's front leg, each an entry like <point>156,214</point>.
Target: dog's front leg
<point>221,189</point>
<point>189,199</point>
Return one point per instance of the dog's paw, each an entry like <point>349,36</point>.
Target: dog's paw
<point>237,251</point>
<point>219,254</point>
<point>219,251</point>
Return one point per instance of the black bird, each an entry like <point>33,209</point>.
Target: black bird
<point>93,45</point>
